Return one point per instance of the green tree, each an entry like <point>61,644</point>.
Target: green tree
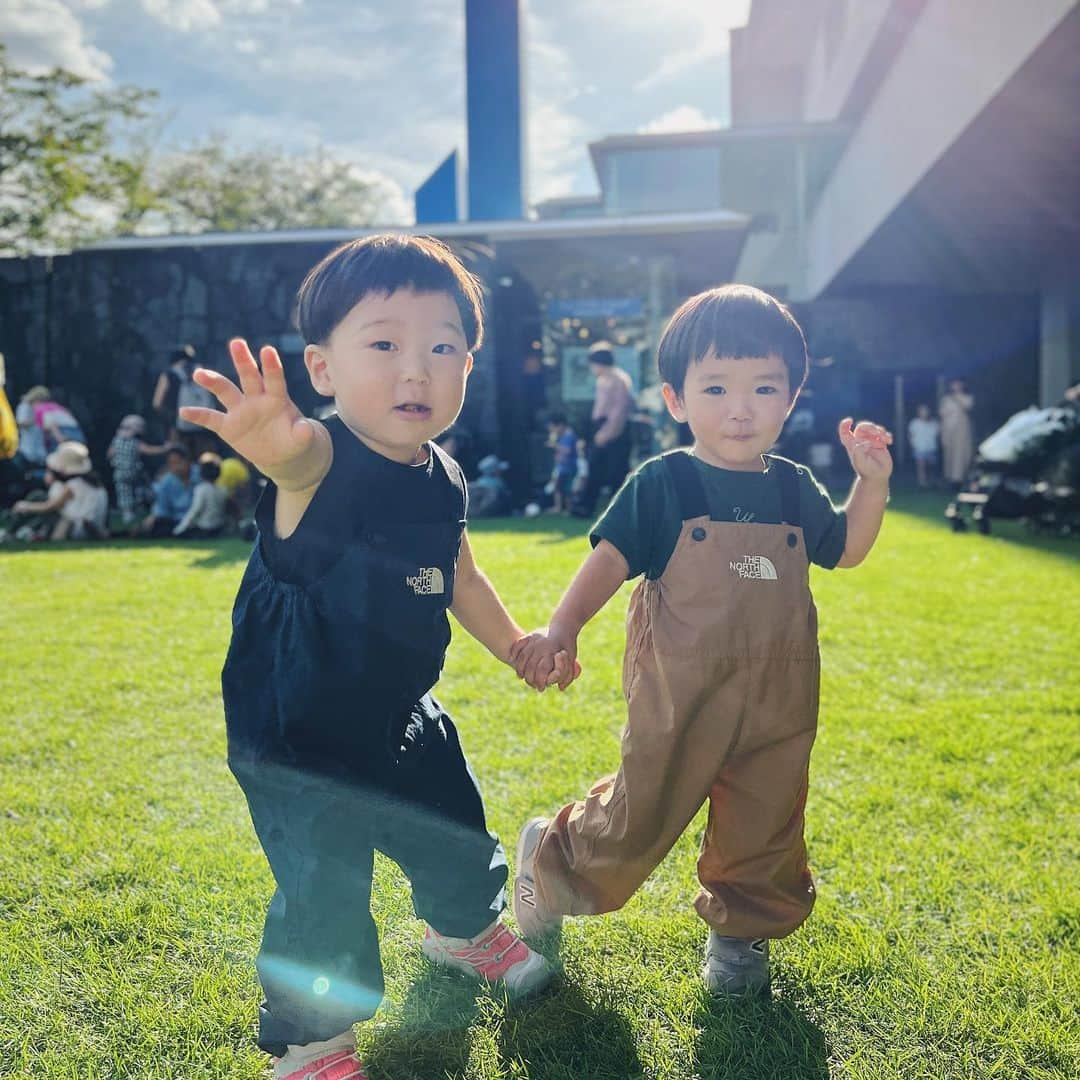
<point>64,178</point>
<point>210,186</point>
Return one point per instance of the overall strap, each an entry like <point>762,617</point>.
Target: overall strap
<point>788,474</point>
<point>688,484</point>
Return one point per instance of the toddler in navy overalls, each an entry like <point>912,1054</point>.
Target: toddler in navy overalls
<point>339,635</point>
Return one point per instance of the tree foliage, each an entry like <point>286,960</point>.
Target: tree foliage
<point>211,186</point>
<point>78,164</point>
<point>61,168</point>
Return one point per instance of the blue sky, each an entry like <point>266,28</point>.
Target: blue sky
<point>382,83</point>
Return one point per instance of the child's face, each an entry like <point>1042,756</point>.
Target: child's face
<point>397,367</point>
<point>924,412</point>
<point>735,408</point>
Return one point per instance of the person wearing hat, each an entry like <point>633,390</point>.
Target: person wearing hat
<point>129,475</point>
<point>76,495</point>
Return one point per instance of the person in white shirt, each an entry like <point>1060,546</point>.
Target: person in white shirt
<point>205,517</point>
<point>923,433</point>
<point>76,495</point>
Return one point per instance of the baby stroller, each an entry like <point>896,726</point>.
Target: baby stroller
<point>1029,469</point>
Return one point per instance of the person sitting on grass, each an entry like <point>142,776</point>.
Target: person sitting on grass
<point>205,517</point>
<point>173,493</point>
<point>721,670</point>
<point>339,635</point>
<point>76,497</point>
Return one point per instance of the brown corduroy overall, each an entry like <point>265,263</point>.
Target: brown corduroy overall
<point>721,676</point>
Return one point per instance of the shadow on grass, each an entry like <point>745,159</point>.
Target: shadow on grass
<point>445,1022</point>
<point>207,553</point>
<point>757,1039</point>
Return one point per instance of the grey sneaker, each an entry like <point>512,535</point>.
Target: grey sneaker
<point>736,965</point>
<point>531,916</point>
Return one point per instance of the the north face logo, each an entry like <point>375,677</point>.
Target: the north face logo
<point>754,566</point>
<point>429,581</point>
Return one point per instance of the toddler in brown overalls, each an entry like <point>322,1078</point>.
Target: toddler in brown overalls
<point>721,670</point>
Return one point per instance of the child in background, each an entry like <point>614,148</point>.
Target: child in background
<point>339,635</point>
<point>924,431</point>
<point>76,496</point>
<point>563,441</point>
<point>205,518</point>
<point>581,467</point>
<point>130,481</point>
<point>721,670</point>
<point>173,493</point>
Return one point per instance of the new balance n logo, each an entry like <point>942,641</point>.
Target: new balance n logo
<point>754,566</point>
<point>428,581</point>
<point>525,892</point>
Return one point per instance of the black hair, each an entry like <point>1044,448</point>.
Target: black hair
<point>736,321</point>
<point>601,353</point>
<point>178,448</point>
<point>185,355</point>
<point>384,264</point>
<point>557,418</point>
<point>209,470</point>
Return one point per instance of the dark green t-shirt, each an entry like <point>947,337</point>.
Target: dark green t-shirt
<point>644,519</point>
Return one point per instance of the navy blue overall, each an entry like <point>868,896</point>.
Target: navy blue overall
<point>338,744</point>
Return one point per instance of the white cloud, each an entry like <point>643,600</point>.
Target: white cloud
<point>683,118</point>
<point>710,46</point>
<point>556,135</point>
<point>44,34</point>
<point>184,15</point>
<point>246,46</point>
<point>702,26</point>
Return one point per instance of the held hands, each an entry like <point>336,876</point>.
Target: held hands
<point>546,659</point>
<point>868,448</point>
<point>260,421</point>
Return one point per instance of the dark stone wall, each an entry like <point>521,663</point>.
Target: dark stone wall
<point>98,327</point>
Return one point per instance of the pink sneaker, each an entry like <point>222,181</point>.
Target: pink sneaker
<point>340,1065</point>
<point>498,956</point>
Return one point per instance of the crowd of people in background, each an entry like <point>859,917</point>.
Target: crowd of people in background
<point>179,486</point>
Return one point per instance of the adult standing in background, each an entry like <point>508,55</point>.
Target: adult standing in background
<point>957,432</point>
<point>176,388</point>
<point>167,389</point>
<point>609,443</point>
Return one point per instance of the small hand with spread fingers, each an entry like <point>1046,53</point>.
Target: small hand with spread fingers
<point>867,446</point>
<point>260,421</point>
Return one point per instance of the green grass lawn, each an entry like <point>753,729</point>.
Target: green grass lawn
<point>941,825</point>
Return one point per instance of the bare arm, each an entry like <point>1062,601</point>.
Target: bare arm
<point>865,512</point>
<point>161,388</point>
<point>478,608</point>
<point>596,582</point>
<point>867,446</point>
<point>24,506</point>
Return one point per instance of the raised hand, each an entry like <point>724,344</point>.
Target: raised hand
<point>260,421</point>
<point>867,446</point>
